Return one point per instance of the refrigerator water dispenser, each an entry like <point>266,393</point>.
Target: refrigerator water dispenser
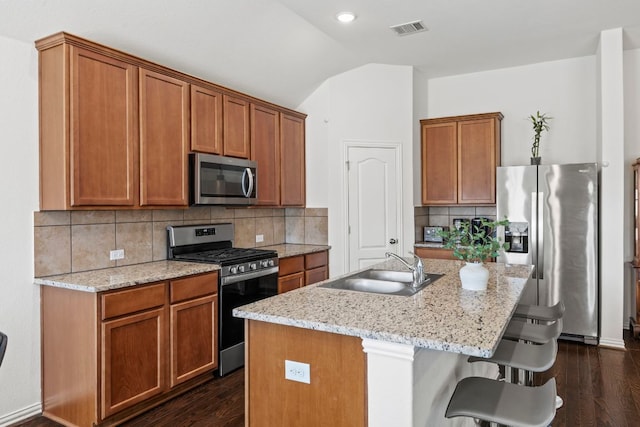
<point>516,234</point>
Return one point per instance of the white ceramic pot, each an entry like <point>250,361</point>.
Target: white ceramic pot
<point>474,276</point>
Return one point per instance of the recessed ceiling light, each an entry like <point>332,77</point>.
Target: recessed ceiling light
<point>346,17</point>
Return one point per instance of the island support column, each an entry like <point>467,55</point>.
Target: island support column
<point>409,386</point>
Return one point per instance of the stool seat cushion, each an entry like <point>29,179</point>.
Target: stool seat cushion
<point>520,355</point>
<point>504,403</point>
<point>540,312</point>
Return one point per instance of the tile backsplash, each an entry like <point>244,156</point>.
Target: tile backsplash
<point>444,215</point>
<point>71,241</point>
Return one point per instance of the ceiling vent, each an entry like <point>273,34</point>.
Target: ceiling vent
<point>408,28</point>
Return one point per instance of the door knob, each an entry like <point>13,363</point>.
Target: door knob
<point>393,241</point>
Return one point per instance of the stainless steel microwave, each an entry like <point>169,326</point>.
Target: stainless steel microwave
<point>219,180</point>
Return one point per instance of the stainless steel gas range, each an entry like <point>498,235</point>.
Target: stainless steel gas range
<point>246,275</point>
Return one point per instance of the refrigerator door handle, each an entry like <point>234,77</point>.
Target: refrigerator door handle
<point>540,240</point>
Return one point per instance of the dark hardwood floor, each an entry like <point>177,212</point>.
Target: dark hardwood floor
<point>600,387</point>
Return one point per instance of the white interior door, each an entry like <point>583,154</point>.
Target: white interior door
<point>374,204</point>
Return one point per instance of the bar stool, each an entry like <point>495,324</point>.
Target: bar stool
<point>520,355</point>
<point>504,403</point>
<point>521,329</point>
<point>540,312</point>
<point>507,403</point>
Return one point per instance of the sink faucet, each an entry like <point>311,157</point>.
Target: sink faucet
<point>417,268</point>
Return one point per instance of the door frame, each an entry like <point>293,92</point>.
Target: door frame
<point>353,143</point>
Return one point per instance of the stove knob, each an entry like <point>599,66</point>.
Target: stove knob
<point>253,266</point>
<point>264,263</point>
<point>233,270</point>
<point>241,269</point>
<point>270,263</point>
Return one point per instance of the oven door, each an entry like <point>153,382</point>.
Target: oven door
<point>236,291</point>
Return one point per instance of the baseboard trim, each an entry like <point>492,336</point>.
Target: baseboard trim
<point>21,414</point>
<point>612,343</point>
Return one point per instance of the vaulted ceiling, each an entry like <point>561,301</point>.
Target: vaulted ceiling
<point>281,50</point>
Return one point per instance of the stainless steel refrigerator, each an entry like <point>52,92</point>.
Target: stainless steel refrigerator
<point>553,215</point>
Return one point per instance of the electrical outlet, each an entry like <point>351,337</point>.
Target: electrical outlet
<point>297,371</point>
<point>117,254</point>
<point>259,238</point>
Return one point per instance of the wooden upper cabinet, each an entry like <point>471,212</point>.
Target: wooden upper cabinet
<point>459,159</point>
<point>265,150</point>
<point>477,161</point>
<point>206,120</point>
<point>116,130</point>
<point>164,139</point>
<point>439,164</point>
<point>236,127</point>
<point>89,157</point>
<point>292,160</point>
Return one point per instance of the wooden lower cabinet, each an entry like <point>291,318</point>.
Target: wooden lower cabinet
<point>107,357</point>
<point>302,270</point>
<point>336,395</point>
<point>133,360</point>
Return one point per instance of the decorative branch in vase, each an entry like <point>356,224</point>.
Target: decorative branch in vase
<point>539,122</point>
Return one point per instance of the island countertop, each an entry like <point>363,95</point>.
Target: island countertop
<point>442,316</point>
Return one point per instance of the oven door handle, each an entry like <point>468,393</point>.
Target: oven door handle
<point>247,276</point>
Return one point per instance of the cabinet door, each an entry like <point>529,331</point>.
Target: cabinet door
<point>265,150</point>
<point>164,139</point>
<point>236,127</point>
<point>104,130</point>
<point>133,359</point>
<point>316,275</point>
<point>290,282</point>
<point>477,161</point>
<point>636,215</point>
<point>292,158</point>
<point>194,338</point>
<point>206,120</point>
<point>439,163</point>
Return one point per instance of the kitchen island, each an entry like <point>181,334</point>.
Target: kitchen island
<point>373,359</point>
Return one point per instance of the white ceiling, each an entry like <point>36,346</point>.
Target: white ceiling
<point>281,50</point>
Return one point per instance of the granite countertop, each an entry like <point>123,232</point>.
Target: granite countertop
<point>443,316</point>
<point>122,277</point>
<point>288,249</point>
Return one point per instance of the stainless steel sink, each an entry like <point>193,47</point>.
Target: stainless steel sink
<point>395,276</point>
<point>372,285</point>
<point>381,282</point>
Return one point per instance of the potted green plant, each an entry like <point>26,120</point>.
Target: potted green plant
<point>474,245</point>
<point>539,122</point>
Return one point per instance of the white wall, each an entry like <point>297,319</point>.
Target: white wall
<point>371,103</point>
<point>19,298</point>
<point>563,89</point>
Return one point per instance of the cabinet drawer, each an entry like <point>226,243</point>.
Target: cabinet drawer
<point>316,275</point>
<point>291,265</point>
<point>193,287</point>
<point>314,260</point>
<point>435,253</point>
<point>133,300</point>
<point>290,282</point>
